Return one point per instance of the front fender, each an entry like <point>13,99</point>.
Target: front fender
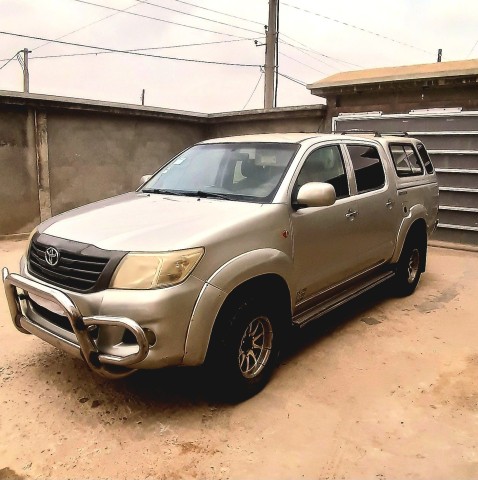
<point>252,264</point>
<point>217,288</point>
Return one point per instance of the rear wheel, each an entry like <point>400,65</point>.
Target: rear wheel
<point>410,266</point>
<point>245,348</point>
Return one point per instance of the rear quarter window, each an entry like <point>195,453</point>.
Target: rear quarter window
<point>405,160</point>
<point>422,151</point>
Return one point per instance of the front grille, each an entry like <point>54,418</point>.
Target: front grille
<point>75,270</point>
<point>58,320</point>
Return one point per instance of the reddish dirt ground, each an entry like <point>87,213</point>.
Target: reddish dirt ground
<point>384,388</point>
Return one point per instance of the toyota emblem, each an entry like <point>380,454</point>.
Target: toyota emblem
<point>52,256</point>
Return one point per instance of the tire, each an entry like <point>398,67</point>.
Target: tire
<point>410,266</point>
<point>244,350</point>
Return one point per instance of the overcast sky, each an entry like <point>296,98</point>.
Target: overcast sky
<point>318,39</point>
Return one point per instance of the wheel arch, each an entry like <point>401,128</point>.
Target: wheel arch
<point>268,287</point>
<point>415,229</point>
<point>263,273</point>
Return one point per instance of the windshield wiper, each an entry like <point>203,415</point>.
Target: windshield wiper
<point>203,194</point>
<point>162,191</point>
<point>199,193</point>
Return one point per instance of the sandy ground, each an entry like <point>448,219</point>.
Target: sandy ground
<point>385,388</point>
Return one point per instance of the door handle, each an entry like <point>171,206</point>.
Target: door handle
<point>389,204</point>
<point>351,214</point>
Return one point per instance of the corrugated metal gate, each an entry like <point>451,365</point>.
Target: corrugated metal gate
<point>451,137</point>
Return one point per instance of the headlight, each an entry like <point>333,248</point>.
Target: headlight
<point>30,240</point>
<point>142,271</point>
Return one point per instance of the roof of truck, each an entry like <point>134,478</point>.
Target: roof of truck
<point>302,137</point>
<point>268,137</point>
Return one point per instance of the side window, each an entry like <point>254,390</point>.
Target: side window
<point>413,160</point>
<point>368,167</point>
<point>422,151</point>
<point>325,165</point>
<point>406,161</point>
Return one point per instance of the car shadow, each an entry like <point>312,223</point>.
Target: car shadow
<point>333,322</point>
<point>151,393</point>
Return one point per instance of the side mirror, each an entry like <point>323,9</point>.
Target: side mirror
<point>144,179</point>
<point>316,194</point>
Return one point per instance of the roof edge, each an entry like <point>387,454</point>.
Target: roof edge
<point>72,103</point>
<point>403,73</point>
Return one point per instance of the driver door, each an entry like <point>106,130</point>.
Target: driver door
<point>323,250</point>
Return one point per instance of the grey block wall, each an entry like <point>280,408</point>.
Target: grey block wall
<point>19,207</point>
<point>60,153</point>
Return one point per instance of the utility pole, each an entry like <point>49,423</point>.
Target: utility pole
<point>26,74</point>
<point>439,55</point>
<point>271,56</point>
<point>24,64</point>
<point>142,97</point>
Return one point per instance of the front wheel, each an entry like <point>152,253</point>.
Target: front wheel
<point>410,266</point>
<point>245,349</point>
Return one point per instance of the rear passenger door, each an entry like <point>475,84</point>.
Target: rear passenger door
<point>377,214</point>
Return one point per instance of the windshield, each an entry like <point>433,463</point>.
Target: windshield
<point>236,171</point>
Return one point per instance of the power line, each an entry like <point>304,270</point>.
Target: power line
<point>157,19</point>
<point>292,79</point>
<point>220,13</point>
<point>471,51</point>
<point>197,16</point>
<point>307,49</point>
<point>136,49</point>
<point>311,55</point>
<point>259,23</point>
<point>302,63</point>
<point>358,28</point>
<point>89,24</point>
<point>192,60</point>
<point>60,55</point>
<point>9,60</point>
<point>254,90</point>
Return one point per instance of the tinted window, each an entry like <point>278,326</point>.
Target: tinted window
<point>406,161</point>
<point>368,168</point>
<point>424,156</point>
<point>325,165</point>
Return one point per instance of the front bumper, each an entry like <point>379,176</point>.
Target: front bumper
<point>17,289</point>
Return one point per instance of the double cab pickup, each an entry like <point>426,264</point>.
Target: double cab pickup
<point>224,249</point>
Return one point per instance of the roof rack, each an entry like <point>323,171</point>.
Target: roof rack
<point>396,134</point>
<point>375,133</point>
<point>360,131</point>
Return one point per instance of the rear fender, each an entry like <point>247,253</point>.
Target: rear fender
<point>416,213</point>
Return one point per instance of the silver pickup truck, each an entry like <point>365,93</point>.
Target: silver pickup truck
<point>224,249</point>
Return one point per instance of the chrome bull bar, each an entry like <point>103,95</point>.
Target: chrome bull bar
<point>86,348</point>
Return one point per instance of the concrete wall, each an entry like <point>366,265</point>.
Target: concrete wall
<point>60,153</point>
<point>19,208</point>
<point>280,120</point>
<point>97,156</point>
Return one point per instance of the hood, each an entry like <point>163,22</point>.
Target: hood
<point>144,222</point>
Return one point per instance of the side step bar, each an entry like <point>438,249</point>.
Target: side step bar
<point>339,299</point>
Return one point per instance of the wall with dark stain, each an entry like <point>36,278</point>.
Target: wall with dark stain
<point>19,209</point>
